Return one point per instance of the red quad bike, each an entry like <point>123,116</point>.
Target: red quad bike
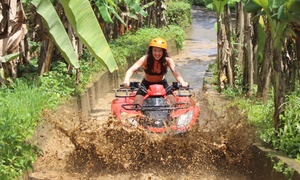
<point>156,114</point>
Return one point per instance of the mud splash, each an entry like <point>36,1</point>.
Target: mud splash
<point>217,147</point>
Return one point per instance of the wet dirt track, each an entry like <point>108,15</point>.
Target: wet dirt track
<point>97,148</point>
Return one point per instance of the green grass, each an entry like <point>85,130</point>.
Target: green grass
<point>21,107</point>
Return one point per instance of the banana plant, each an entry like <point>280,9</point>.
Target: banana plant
<point>134,10</point>
<point>219,5</point>
<point>83,20</point>
<point>134,7</point>
<point>279,15</point>
<point>106,8</point>
<point>9,57</point>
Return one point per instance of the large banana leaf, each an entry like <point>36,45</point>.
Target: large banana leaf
<point>115,13</point>
<point>102,7</point>
<point>292,7</point>
<point>83,20</point>
<point>9,57</point>
<point>263,3</point>
<point>219,5</point>
<point>56,30</point>
<point>106,8</point>
<point>135,8</point>
<point>251,6</point>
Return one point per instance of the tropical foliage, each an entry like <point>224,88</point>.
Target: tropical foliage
<point>260,57</point>
<point>57,30</point>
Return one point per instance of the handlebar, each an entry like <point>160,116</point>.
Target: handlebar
<point>175,86</point>
<point>132,85</point>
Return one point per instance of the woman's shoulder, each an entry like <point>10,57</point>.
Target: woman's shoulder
<point>144,59</point>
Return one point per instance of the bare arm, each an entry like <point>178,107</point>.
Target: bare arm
<point>176,73</point>
<point>132,69</point>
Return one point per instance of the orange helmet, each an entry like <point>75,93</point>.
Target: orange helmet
<point>159,42</point>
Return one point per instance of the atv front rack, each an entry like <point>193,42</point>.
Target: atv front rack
<point>138,107</point>
<point>124,92</point>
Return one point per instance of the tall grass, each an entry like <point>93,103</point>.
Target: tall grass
<point>21,106</point>
<point>287,138</point>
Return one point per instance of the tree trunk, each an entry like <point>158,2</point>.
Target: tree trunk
<point>49,53</point>
<point>288,58</point>
<point>229,48</point>
<point>255,41</point>
<point>298,53</point>
<point>221,64</point>
<point>266,70</point>
<point>279,87</point>
<point>13,30</point>
<point>239,31</point>
<point>248,57</point>
<point>45,57</point>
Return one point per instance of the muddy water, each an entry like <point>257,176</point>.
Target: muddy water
<point>107,150</point>
<point>218,148</point>
<point>98,148</point>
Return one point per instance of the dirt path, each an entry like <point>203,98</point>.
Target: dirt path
<point>97,148</point>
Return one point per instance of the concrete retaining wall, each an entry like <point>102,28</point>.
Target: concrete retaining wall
<point>264,160</point>
<point>101,85</point>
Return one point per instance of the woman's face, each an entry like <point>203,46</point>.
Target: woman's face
<point>157,53</point>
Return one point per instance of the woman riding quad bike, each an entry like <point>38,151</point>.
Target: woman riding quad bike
<point>153,104</point>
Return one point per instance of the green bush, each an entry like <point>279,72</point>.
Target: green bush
<point>131,46</point>
<point>179,14</point>
<point>289,135</point>
<point>20,107</point>
<point>200,2</point>
<point>261,114</point>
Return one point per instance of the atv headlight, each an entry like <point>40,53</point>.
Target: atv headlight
<point>133,122</point>
<point>185,119</point>
<point>129,120</point>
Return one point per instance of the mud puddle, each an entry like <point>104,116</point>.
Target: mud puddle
<point>218,148</point>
